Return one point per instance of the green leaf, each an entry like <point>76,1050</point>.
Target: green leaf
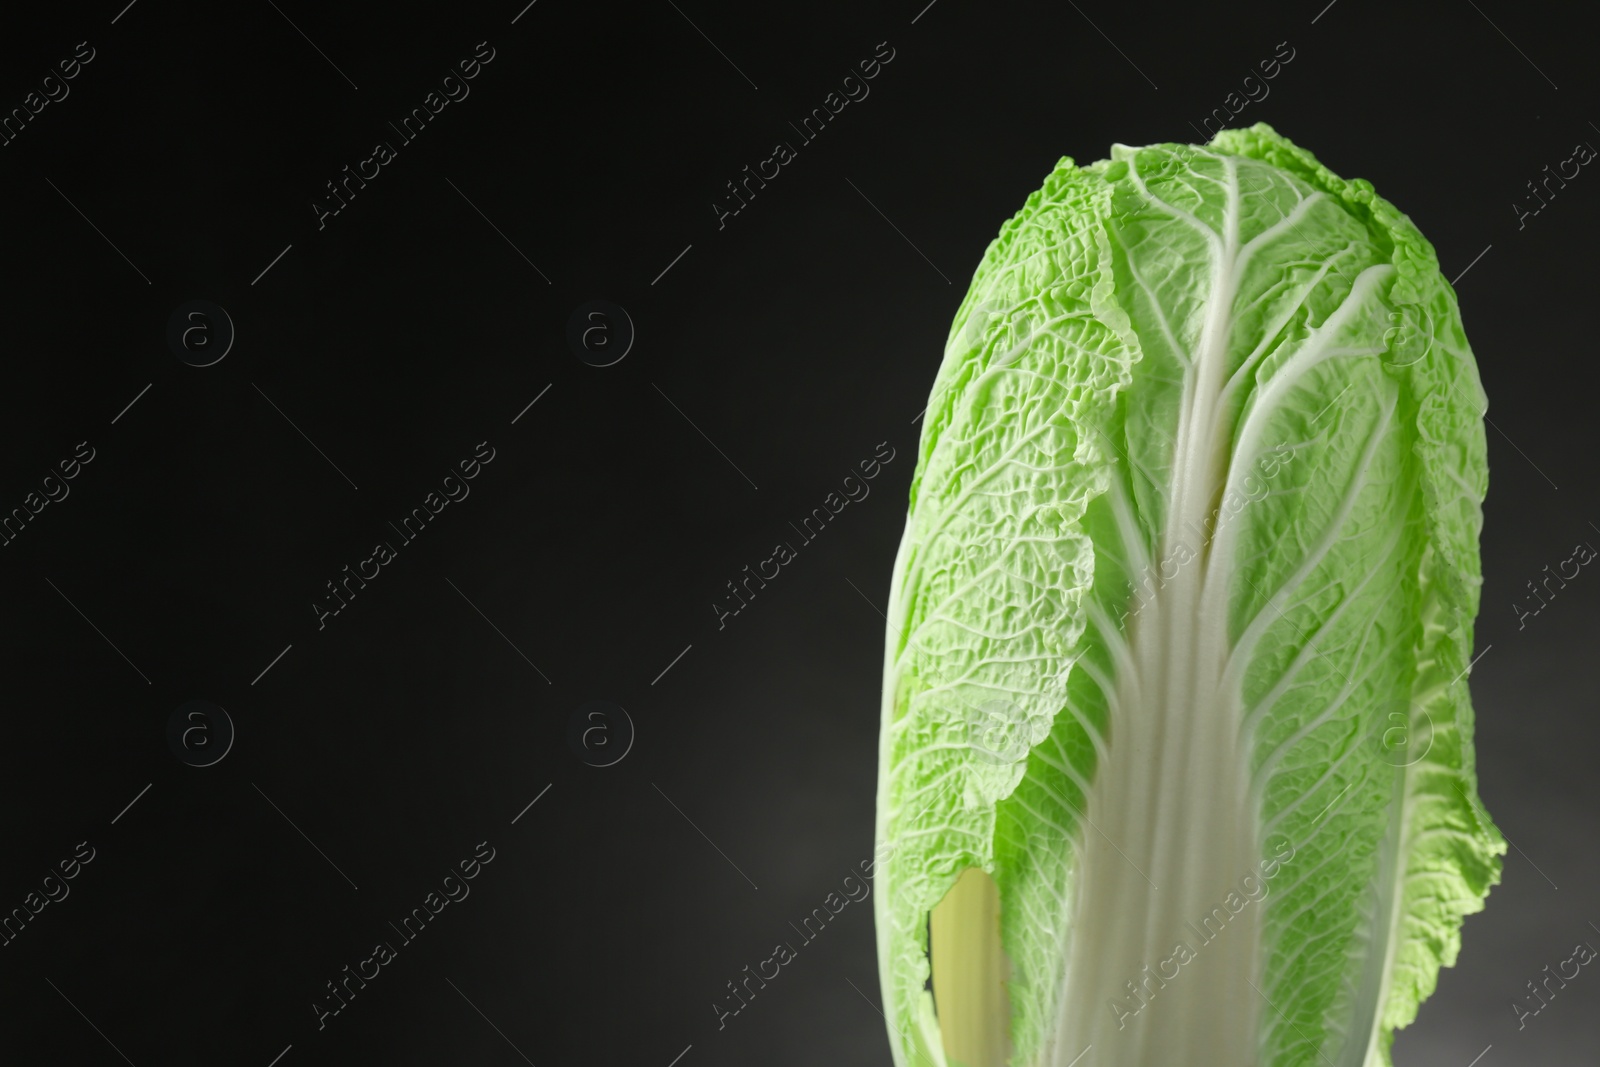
<point>1180,624</point>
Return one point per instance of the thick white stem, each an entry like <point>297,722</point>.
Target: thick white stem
<point>1161,966</point>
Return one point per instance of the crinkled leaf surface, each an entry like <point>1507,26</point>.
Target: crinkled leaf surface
<point>1180,625</point>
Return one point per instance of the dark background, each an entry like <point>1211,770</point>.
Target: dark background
<point>380,750</point>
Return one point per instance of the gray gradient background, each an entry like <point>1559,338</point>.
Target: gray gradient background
<point>428,314</point>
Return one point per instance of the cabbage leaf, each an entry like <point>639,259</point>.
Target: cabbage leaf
<point>1175,684</point>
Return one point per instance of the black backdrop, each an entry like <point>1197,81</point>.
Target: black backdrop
<point>773,350</point>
